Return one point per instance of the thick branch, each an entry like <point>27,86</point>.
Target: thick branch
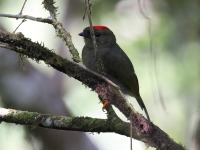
<point>147,131</point>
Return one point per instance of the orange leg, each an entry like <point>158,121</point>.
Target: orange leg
<point>105,103</point>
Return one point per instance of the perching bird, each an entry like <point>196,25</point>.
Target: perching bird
<point>117,66</point>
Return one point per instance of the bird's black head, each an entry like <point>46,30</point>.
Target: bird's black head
<point>104,36</point>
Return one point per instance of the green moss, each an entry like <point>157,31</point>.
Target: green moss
<point>22,61</point>
<point>19,116</point>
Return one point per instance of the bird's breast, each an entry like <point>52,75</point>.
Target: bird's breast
<point>88,57</point>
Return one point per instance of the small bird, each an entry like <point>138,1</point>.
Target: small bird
<point>117,66</point>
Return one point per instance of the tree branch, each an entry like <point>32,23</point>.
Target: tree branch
<point>61,32</point>
<point>19,16</point>
<point>49,5</point>
<point>84,124</point>
<point>145,130</point>
<point>88,12</point>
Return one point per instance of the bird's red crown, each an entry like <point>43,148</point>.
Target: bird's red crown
<point>100,27</point>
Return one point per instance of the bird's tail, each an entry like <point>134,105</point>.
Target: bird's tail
<point>141,103</point>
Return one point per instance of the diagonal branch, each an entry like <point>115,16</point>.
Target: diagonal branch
<point>61,32</point>
<point>147,131</point>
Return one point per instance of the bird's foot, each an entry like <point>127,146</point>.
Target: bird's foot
<point>105,104</point>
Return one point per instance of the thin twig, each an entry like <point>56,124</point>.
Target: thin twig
<point>131,136</point>
<point>38,19</point>
<point>61,32</point>
<point>142,11</point>
<point>99,64</point>
<point>88,10</point>
<point>85,10</point>
<point>152,55</point>
<point>19,25</point>
<point>22,7</point>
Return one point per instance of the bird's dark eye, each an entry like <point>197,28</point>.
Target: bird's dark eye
<point>97,34</point>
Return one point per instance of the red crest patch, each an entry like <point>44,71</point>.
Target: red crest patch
<point>100,27</point>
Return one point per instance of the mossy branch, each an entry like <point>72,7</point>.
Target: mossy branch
<point>49,5</point>
<point>84,124</point>
<point>145,130</point>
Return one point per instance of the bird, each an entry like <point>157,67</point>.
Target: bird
<point>117,66</point>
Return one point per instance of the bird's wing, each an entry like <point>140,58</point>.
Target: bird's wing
<point>118,65</point>
<point>119,69</point>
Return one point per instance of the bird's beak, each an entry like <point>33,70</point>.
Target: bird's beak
<point>81,34</point>
<point>84,34</point>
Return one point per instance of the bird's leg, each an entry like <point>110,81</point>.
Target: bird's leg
<point>105,104</point>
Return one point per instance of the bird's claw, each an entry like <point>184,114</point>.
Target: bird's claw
<point>105,104</point>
